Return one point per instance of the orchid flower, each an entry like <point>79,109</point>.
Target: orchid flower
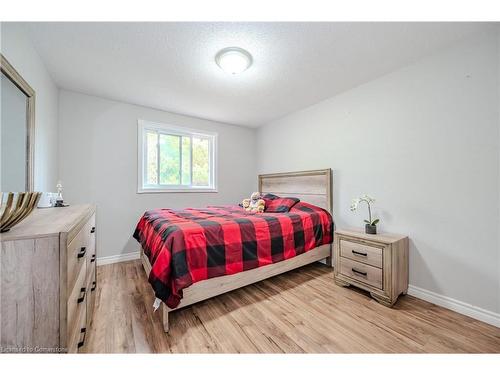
<point>368,200</point>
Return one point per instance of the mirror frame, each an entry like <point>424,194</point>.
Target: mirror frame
<point>18,80</point>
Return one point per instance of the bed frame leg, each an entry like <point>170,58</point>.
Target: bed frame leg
<point>329,260</point>
<point>165,318</point>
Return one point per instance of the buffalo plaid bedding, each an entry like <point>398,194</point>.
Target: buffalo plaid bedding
<point>186,246</point>
<point>280,204</point>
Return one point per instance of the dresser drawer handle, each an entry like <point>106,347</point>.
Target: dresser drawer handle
<point>92,230</point>
<point>92,259</point>
<point>82,252</point>
<point>82,342</point>
<point>82,295</point>
<point>360,272</point>
<point>358,253</point>
<point>93,286</point>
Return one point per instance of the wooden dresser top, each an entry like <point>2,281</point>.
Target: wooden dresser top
<point>46,222</point>
<point>387,238</point>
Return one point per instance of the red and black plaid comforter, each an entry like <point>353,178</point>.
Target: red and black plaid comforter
<point>186,246</point>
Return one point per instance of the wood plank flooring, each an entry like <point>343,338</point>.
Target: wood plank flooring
<point>301,311</point>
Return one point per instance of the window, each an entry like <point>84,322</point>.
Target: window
<point>175,159</point>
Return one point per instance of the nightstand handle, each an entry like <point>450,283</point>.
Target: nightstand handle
<point>360,272</point>
<point>358,253</point>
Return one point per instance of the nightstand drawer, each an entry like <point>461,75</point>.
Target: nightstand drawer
<point>362,253</point>
<point>362,272</point>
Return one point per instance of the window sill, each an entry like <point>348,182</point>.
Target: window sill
<point>155,191</point>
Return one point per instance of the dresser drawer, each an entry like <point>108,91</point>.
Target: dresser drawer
<point>77,255</point>
<point>362,253</point>
<point>91,252</point>
<point>77,298</point>
<point>361,272</point>
<point>78,334</point>
<point>91,292</point>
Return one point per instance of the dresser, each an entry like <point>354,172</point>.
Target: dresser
<point>377,263</point>
<point>48,280</point>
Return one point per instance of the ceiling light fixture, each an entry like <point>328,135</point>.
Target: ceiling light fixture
<point>233,60</point>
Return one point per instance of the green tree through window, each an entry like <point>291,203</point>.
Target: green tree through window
<point>176,160</point>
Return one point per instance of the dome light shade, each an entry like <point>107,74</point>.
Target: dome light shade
<point>233,60</point>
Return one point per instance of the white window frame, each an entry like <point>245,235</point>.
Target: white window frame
<point>142,127</point>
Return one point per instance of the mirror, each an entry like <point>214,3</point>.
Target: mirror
<point>17,104</point>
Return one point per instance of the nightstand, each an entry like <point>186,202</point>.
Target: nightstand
<point>377,263</point>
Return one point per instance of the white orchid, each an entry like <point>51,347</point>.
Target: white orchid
<point>354,204</point>
<point>368,200</point>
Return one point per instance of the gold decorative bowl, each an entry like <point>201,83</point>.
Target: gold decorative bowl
<point>16,208</point>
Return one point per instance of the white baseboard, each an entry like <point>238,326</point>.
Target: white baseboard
<point>118,258</point>
<point>475,312</point>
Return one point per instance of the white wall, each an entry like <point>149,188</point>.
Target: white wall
<point>424,141</point>
<point>16,47</point>
<point>98,142</point>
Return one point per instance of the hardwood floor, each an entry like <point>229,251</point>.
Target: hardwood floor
<point>302,311</point>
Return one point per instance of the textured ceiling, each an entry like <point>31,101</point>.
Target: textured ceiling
<point>170,66</point>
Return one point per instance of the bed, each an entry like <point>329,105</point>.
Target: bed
<point>313,188</point>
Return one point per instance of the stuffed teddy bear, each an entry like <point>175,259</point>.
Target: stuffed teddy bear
<point>254,204</point>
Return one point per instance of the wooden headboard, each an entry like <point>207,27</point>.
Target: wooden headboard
<point>313,187</point>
